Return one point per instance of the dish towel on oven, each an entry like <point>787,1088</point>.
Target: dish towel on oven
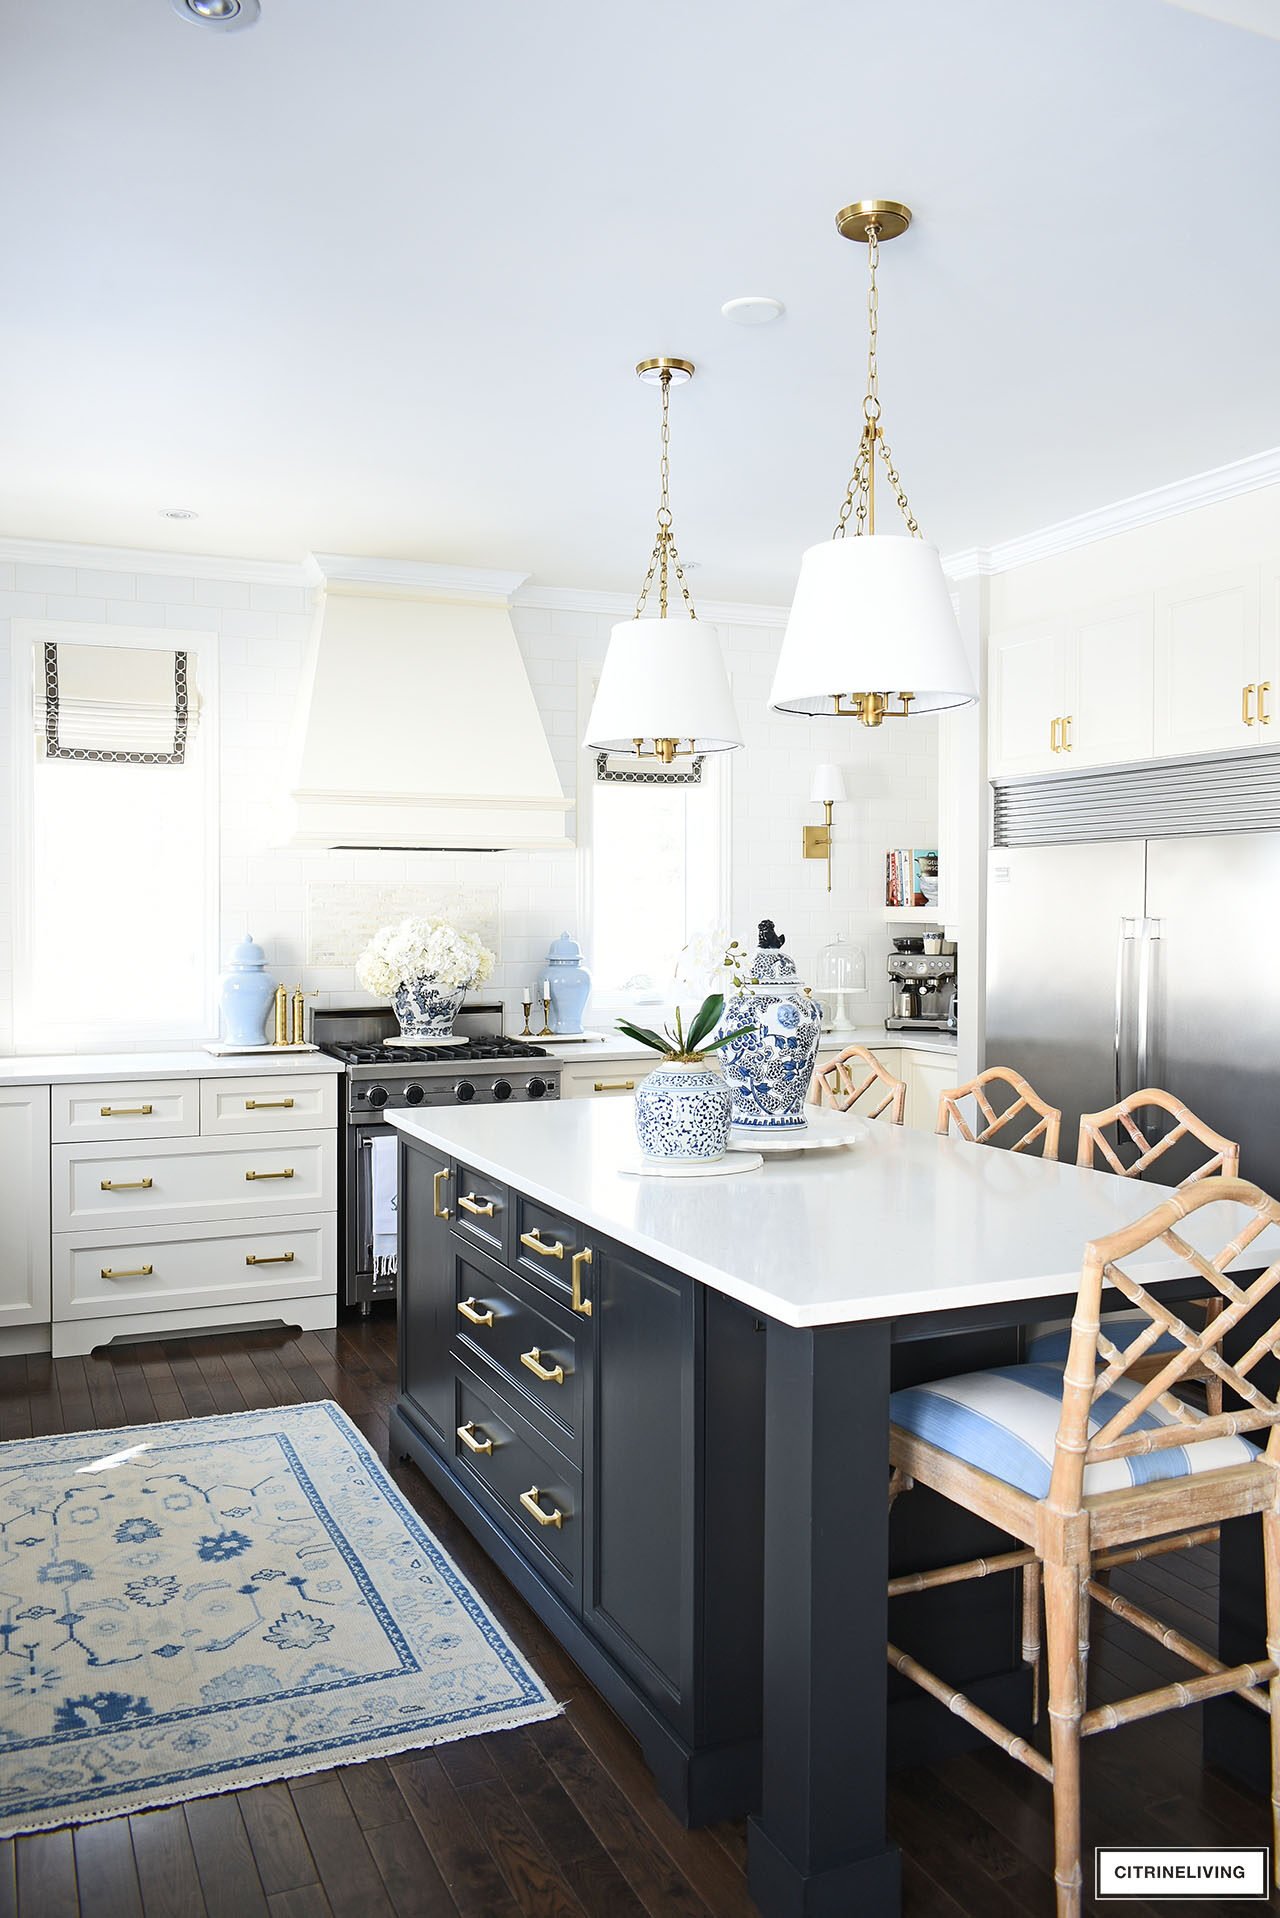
<point>384,1206</point>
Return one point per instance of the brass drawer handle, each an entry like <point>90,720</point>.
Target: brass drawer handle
<point>467,1433</point>
<point>479,1209</point>
<point>1066,732</point>
<point>467,1307</point>
<point>124,1112</point>
<point>1054,747</point>
<point>1264,717</point>
<point>532,1361</point>
<point>615,1085</point>
<point>1246,716</point>
<point>124,1185</point>
<point>441,1211</point>
<point>577,1301</point>
<point>266,1105</point>
<point>273,1258</point>
<point>138,1272</point>
<point>286,1174</point>
<point>535,1243</point>
<point>530,1499</point>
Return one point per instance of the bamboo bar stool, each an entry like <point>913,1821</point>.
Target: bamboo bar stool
<point>1027,1099</point>
<point>1066,1463</point>
<point>842,1083</point>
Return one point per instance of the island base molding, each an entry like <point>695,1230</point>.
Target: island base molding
<point>870,1886</point>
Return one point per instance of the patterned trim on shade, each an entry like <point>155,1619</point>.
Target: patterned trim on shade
<point>607,775</point>
<point>53,749</point>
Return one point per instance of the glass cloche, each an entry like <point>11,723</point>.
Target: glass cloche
<point>842,972</point>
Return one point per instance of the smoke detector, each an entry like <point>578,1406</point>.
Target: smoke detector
<point>228,16</point>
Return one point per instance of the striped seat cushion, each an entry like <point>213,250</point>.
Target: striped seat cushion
<point>1004,1422</point>
<point>1050,1345</point>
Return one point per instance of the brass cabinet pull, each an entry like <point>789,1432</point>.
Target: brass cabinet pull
<point>1066,732</point>
<point>577,1301</point>
<point>1054,747</point>
<point>286,1174</point>
<point>530,1499</point>
<point>273,1258</point>
<point>536,1244</point>
<point>441,1211</point>
<point>615,1085</point>
<point>1245,715</point>
<point>267,1105</point>
<point>467,1307</point>
<point>1264,717</point>
<point>478,1208</point>
<point>124,1112</point>
<point>549,1374</point>
<point>467,1433</point>
<point>138,1272</point>
<point>124,1185</point>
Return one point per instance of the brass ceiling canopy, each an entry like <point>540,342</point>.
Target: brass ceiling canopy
<point>889,217</point>
<point>677,372</point>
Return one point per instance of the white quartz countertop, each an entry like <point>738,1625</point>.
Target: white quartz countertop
<point>75,1068</point>
<point>611,1045</point>
<point>896,1224</point>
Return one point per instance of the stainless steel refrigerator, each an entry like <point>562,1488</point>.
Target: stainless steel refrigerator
<point>1120,958</point>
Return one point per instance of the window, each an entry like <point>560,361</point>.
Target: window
<point>657,873</point>
<point>115,855</point>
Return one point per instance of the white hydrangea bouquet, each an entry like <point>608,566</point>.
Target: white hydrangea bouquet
<point>424,966</point>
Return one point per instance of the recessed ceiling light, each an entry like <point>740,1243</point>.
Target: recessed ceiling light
<point>229,15</point>
<point>753,309</point>
<point>178,512</point>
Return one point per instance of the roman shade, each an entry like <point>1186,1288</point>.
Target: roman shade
<point>131,704</point>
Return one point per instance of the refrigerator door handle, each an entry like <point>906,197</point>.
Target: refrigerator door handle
<point>1128,933</point>
<point>1152,929</point>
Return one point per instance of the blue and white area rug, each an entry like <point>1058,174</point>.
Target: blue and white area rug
<point>202,1606</point>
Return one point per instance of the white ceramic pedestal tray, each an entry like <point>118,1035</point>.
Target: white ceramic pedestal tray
<point>824,1131</point>
<point>421,1039</point>
<point>733,1161</point>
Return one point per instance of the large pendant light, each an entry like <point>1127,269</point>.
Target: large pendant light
<point>663,691</point>
<point>872,633</point>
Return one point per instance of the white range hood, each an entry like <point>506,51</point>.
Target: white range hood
<point>416,726</point>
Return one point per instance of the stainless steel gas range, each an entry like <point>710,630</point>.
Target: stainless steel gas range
<point>488,1069</point>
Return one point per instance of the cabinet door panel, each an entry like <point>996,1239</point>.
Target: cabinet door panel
<point>426,1308</point>
<point>1206,655</point>
<point>24,1205</point>
<point>1028,692</point>
<point>1111,702</point>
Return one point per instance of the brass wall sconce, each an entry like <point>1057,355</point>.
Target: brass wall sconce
<point>827,788</point>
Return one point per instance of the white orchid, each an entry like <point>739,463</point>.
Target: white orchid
<point>423,948</point>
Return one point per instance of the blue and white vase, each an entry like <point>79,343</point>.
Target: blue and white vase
<point>682,1111</point>
<point>570,984</point>
<point>247,994</point>
<point>425,1009</point>
<point>770,1066</point>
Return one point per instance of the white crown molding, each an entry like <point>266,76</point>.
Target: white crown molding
<point>344,572</point>
<point>578,599</point>
<point>130,559</point>
<point>1122,516</point>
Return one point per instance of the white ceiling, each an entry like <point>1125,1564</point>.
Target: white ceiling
<point>371,278</point>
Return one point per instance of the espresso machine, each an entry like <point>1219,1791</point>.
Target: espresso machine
<point>924,987</point>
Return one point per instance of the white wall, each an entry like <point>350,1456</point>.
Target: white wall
<point>259,629</point>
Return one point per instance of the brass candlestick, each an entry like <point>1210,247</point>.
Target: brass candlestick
<point>528,1030</point>
<point>546,1032</point>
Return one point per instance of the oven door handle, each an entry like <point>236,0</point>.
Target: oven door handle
<point>364,1196</point>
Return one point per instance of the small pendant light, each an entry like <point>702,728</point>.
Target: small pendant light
<point>663,691</point>
<point>872,633</point>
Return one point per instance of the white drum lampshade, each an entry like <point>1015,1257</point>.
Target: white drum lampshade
<point>828,786</point>
<point>872,615</point>
<point>663,679</point>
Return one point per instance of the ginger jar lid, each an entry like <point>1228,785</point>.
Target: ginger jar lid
<point>564,951</point>
<point>247,956</point>
<point>770,965</point>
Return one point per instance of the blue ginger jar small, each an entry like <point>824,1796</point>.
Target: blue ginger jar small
<point>247,995</point>
<point>769,1068</point>
<point>570,984</point>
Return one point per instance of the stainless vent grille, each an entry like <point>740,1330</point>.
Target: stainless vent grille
<point>1161,799</point>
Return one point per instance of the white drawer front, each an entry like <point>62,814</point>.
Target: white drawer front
<point>262,1105</point>
<point>136,1109</point>
<point>127,1185</point>
<point>97,1274</point>
<point>610,1080</point>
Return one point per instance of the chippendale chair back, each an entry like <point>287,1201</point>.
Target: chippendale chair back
<point>1094,1144</point>
<point>843,1081</point>
<point>987,1121</point>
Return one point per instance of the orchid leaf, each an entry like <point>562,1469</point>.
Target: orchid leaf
<point>643,1036</point>
<point>705,1019</point>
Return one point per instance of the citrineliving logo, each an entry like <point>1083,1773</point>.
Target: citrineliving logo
<point>1181,1871</point>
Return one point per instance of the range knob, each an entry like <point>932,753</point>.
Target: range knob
<point>464,1090</point>
<point>502,1089</point>
<point>414,1095</point>
<point>378,1095</point>
<point>536,1088</point>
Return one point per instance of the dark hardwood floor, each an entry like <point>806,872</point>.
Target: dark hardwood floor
<point>557,1820</point>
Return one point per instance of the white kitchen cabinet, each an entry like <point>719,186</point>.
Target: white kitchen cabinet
<point>142,1109</point>
<point>927,1075</point>
<point>609,1078</point>
<point>24,1207</point>
<point>1078,693</point>
<point>1029,696</point>
<point>1209,660</point>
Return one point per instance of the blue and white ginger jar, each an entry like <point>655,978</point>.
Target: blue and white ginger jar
<point>683,1110</point>
<point>770,1066</point>
<point>425,1009</point>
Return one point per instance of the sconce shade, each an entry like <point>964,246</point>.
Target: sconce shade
<point>663,679</point>
<point>828,785</point>
<point>872,614</point>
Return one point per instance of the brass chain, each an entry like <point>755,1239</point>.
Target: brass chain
<point>664,557</point>
<point>857,502</point>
